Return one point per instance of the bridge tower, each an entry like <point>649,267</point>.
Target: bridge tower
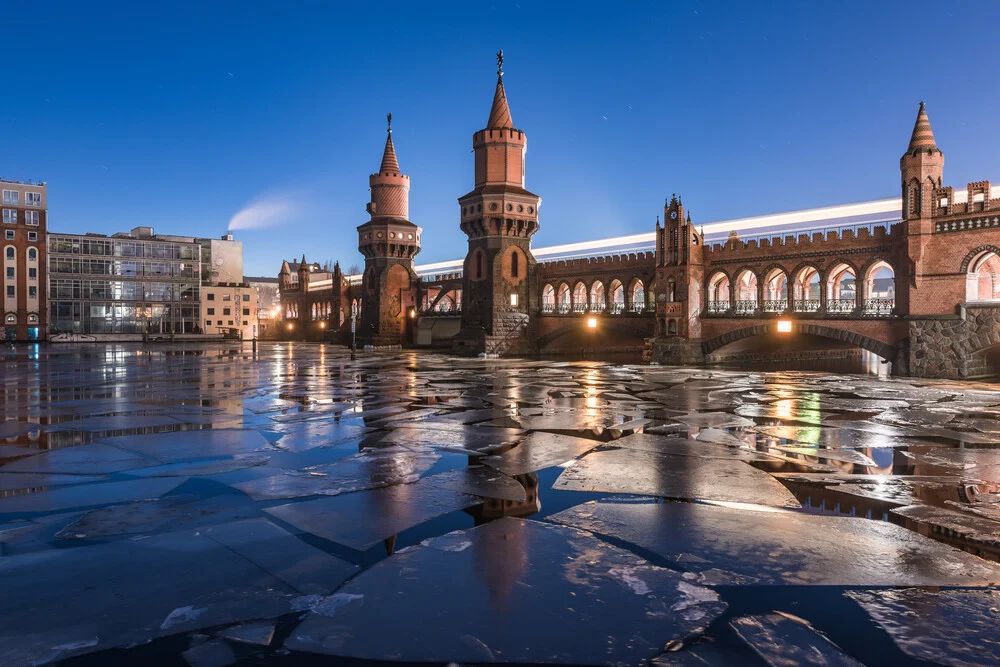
<point>921,168</point>
<point>679,274</point>
<point>389,242</point>
<point>499,216</point>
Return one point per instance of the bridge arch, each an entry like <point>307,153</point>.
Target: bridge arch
<point>806,284</point>
<point>982,277</point>
<point>882,349</point>
<point>976,254</point>
<point>623,325</point>
<point>597,300</point>
<point>719,288</point>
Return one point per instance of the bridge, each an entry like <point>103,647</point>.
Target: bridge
<point>914,281</point>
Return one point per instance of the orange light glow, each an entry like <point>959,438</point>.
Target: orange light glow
<point>591,322</point>
<point>784,326</point>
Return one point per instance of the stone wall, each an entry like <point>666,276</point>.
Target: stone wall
<point>956,347</point>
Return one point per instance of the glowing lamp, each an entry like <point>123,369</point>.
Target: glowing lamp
<point>322,325</point>
<point>413,313</point>
<point>591,322</point>
<point>290,326</point>
<point>784,326</point>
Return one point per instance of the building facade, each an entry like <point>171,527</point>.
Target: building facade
<point>128,283</point>
<point>25,220</point>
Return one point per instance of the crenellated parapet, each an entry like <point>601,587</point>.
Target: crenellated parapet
<point>624,261</point>
<point>804,244</point>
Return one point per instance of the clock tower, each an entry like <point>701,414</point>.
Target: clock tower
<point>679,276</point>
<point>499,217</point>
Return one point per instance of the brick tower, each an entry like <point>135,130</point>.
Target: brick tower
<point>499,216</point>
<point>921,169</point>
<point>389,241</point>
<point>679,279</point>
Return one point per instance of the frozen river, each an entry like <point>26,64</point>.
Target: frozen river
<point>201,505</point>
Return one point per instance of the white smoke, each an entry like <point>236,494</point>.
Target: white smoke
<point>267,211</point>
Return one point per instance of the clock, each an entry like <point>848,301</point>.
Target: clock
<point>673,215</point>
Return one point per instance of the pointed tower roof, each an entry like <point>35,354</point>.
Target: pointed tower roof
<point>284,267</point>
<point>500,112</point>
<point>303,262</point>
<point>389,161</point>
<point>922,137</point>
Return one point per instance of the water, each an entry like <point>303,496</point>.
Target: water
<point>124,474</point>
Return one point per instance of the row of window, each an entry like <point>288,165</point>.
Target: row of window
<point>118,267</point>
<point>32,292</point>
<point>14,197</point>
<point>122,290</point>
<point>30,217</point>
<point>68,245</point>
<point>225,297</point>
<point>228,311</point>
<point>208,323</point>
<point>32,254</point>
<point>11,235</point>
<point>32,273</point>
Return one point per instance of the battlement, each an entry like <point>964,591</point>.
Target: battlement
<point>609,262</point>
<point>498,134</point>
<point>977,198</point>
<point>815,242</point>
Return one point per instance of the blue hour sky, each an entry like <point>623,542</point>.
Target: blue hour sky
<point>187,116</point>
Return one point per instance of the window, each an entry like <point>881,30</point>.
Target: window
<point>32,273</point>
<point>10,216</point>
<point>513,267</point>
<point>10,253</point>
<point>246,312</point>
<point>230,323</point>
<point>513,297</point>
<point>10,234</point>
<point>31,218</point>
<point>32,236</point>
<point>227,297</point>
<point>33,198</point>
<point>10,291</point>
<point>11,319</point>
<point>208,323</point>
<point>32,292</point>
<point>246,297</point>
<point>10,273</point>
<point>227,311</point>
<point>211,297</point>
<point>211,311</point>
<point>32,254</point>
<point>10,196</point>
<point>245,323</point>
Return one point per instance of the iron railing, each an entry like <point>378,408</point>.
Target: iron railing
<point>880,307</point>
<point>806,306</point>
<point>548,307</point>
<point>841,305</point>
<point>718,306</point>
<point>775,305</point>
<point>617,308</point>
<point>745,308</point>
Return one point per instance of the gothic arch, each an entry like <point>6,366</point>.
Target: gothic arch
<point>872,261</point>
<point>883,350</point>
<point>974,253</point>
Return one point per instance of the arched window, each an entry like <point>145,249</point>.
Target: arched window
<point>841,286</point>
<point>638,296</point>
<point>617,297</point>
<point>10,319</point>
<point>10,253</point>
<point>671,289</point>
<point>746,293</point>
<point>880,288</point>
<point>776,292</point>
<point>913,199</point>
<point>514,264</point>
<point>480,265</point>
<point>32,255</point>
<point>806,290</point>
<point>597,304</point>
<point>719,296</point>
<point>983,280</point>
<point>579,298</point>
<point>548,299</point>
<point>563,299</point>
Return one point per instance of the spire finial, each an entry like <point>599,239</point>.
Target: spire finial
<point>388,119</point>
<point>922,137</point>
<point>500,62</point>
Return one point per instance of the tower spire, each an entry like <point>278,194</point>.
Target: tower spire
<point>389,161</point>
<point>922,137</point>
<point>500,112</point>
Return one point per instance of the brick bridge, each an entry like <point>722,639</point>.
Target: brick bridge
<point>921,291</point>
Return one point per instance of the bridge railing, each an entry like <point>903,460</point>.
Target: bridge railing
<point>841,305</point>
<point>717,307</point>
<point>879,307</point>
<point>548,307</point>
<point>874,307</point>
<point>806,306</point>
<point>775,305</point>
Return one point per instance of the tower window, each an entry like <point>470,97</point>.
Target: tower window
<point>480,269</point>
<point>514,267</point>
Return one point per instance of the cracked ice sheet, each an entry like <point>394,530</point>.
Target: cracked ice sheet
<point>168,514</point>
<point>782,639</point>
<point>369,469</point>
<point>309,435</point>
<point>190,445</point>
<point>487,594</point>
<point>950,627</point>
<point>713,420</point>
<point>830,437</point>
<point>680,446</point>
<point>752,547</point>
<point>480,481</point>
<point>90,495</point>
<point>480,438</point>
<point>651,474</point>
<point>154,587</point>
<point>93,459</point>
<point>540,451</point>
<point>203,467</point>
<point>116,423</point>
<point>363,519</point>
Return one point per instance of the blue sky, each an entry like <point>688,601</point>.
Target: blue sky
<point>180,115</point>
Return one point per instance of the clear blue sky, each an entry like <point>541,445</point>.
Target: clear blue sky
<point>179,115</point>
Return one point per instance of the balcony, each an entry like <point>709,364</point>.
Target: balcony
<point>717,307</point>
<point>776,305</point>
<point>745,308</point>
<point>806,306</point>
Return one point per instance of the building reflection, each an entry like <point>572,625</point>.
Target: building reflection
<point>493,508</point>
